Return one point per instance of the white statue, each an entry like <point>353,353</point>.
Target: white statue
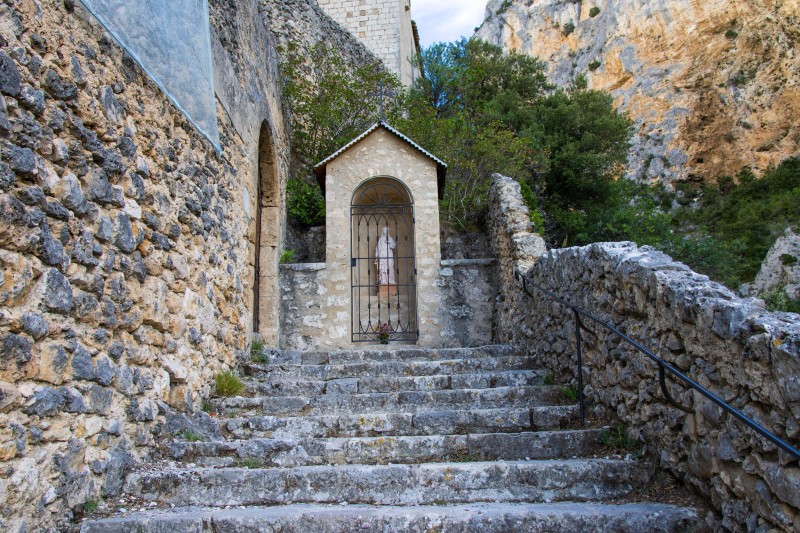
<point>384,258</point>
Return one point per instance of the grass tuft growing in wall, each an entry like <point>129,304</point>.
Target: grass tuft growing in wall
<point>228,384</point>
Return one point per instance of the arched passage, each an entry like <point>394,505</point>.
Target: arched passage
<point>383,267</point>
<point>267,240</point>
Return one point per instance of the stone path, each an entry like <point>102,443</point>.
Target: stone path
<point>401,440</point>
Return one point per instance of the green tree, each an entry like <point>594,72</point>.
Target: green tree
<point>331,102</point>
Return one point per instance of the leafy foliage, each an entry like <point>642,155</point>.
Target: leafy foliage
<point>723,230</point>
<point>737,222</point>
<point>594,11</point>
<point>485,111</point>
<point>332,101</point>
<point>569,27</point>
<point>305,203</point>
<point>287,256</point>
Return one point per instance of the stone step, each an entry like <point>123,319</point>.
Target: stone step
<point>327,372</point>
<point>446,422</point>
<point>385,450</point>
<point>484,517</point>
<point>418,484</point>
<point>381,355</point>
<point>379,402</point>
<point>369,384</point>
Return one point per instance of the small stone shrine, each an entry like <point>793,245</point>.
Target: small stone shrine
<point>382,194</point>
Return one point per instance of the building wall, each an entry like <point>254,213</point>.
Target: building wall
<point>384,26</point>
<point>126,247</point>
<point>325,294</point>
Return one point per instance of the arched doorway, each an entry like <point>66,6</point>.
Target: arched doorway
<point>267,240</point>
<point>383,267</point>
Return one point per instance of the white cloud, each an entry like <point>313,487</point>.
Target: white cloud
<point>446,20</point>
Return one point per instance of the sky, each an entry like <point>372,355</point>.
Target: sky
<point>446,20</point>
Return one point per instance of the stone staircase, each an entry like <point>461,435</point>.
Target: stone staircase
<point>395,440</point>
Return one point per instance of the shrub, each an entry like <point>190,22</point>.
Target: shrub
<point>594,11</point>
<point>504,6</point>
<point>287,256</point>
<point>730,33</point>
<point>305,203</point>
<point>777,300</point>
<point>569,27</point>
<point>594,65</point>
<point>788,260</point>
<point>90,506</point>
<point>228,384</point>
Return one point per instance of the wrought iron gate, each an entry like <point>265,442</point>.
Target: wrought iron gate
<point>383,269</point>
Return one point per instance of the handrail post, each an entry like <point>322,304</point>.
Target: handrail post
<point>580,366</point>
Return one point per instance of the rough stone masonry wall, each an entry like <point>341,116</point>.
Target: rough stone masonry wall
<point>468,292</point>
<point>732,346</point>
<point>124,255</point>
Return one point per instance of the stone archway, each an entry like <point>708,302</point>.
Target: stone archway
<point>267,241</point>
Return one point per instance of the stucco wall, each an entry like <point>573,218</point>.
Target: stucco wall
<point>732,346</point>
<point>126,246</point>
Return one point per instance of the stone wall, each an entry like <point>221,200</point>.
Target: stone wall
<point>465,316</point>
<point>469,290</point>
<point>126,247</point>
<point>304,23</point>
<point>732,346</point>
<point>384,26</point>
<point>304,308</point>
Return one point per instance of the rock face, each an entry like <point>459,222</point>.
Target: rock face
<point>731,346</point>
<point>781,268</point>
<point>712,86</point>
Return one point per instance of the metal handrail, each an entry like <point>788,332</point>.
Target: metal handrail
<point>663,368</point>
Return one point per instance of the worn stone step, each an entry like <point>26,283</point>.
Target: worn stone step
<point>381,355</point>
<point>417,484</point>
<point>378,402</point>
<point>383,450</point>
<point>444,422</point>
<point>327,372</point>
<point>371,384</point>
<point>475,517</point>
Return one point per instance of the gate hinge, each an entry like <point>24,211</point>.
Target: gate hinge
<point>352,261</point>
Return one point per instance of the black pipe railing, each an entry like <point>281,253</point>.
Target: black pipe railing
<point>663,368</point>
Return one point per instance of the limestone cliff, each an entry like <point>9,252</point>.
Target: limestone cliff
<point>712,86</point>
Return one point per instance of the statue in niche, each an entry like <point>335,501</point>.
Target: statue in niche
<point>384,258</point>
